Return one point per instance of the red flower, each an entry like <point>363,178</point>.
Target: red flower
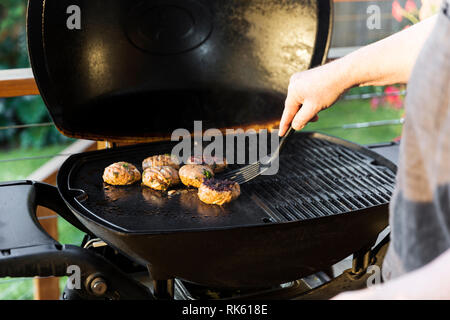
<point>397,11</point>
<point>391,93</point>
<point>410,6</point>
<point>393,97</point>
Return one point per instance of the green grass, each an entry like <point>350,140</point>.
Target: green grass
<point>68,234</point>
<point>16,289</point>
<point>357,111</point>
<point>20,169</point>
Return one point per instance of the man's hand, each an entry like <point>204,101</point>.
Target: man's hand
<point>387,61</point>
<point>309,93</point>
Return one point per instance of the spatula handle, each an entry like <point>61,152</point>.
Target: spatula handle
<point>286,136</point>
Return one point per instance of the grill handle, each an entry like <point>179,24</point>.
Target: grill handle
<point>48,196</point>
<point>26,250</point>
<point>25,247</point>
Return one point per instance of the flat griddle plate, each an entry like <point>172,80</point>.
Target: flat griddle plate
<point>139,209</point>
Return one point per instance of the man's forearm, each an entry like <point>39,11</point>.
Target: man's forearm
<point>429,282</point>
<point>387,61</point>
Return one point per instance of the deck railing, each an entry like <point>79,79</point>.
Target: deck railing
<point>20,82</point>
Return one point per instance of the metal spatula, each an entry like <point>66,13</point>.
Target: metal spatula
<point>251,171</point>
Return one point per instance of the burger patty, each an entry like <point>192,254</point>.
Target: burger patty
<point>161,161</point>
<point>160,178</point>
<point>215,163</point>
<point>214,191</point>
<point>193,175</point>
<point>121,174</point>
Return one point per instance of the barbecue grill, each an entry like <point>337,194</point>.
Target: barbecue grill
<point>135,71</point>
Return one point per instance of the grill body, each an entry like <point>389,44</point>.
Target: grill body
<point>252,256</point>
<point>117,79</point>
<point>328,201</point>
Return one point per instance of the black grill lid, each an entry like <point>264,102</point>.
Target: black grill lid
<point>137,69</point>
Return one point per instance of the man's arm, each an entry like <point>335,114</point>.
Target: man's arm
<point>429,282</point>
<point>384,62</point>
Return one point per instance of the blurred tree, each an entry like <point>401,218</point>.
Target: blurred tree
<point>23,110</point>
<point>13,53</point>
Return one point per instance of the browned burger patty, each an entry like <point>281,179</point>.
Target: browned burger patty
<point>193,175</point>
<point>161,161</point>
<point>160,178</point>
<point>216,164</point>
<point>214,191</point>
<point>121,174</point>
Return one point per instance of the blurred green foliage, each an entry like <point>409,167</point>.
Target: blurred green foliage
<point>12,34</point>
<point>22,110</point>
<point>16,289</point>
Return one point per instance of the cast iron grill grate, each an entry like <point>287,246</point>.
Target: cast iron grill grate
<point>318,178</point>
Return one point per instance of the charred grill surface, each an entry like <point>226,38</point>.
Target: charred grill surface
<point>318,178</point>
